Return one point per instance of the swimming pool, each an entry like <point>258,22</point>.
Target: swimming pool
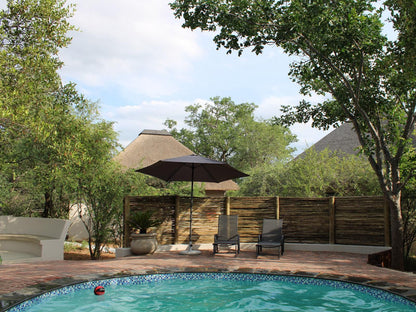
<point>217,292</point>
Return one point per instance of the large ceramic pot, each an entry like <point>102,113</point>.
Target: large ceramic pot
<point>142,244</point>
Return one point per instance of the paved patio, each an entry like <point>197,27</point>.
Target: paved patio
<point>23,280</point>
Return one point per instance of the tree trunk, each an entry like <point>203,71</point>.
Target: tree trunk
<point>397,234</point>
<point>48,208</point>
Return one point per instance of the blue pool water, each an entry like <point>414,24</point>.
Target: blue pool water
<point>217,292</point>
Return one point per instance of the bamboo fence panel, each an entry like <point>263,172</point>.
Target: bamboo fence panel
<point>360,222</point>
<point>305,220</point>
<point>163,208</point>
<point>340,220</point>
<point>204,219</point>
<point>251,211</point>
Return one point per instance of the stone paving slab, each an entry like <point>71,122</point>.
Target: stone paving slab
<point>21,281</point>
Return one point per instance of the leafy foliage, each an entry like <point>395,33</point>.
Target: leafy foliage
<point>55,150</point>
<point>342,54</point>
<point>142,221</point>
<point>36,109</point>
<point>409,211</point>
<point>102,192</point>
<point>314,175</point>
<point>225,131</point>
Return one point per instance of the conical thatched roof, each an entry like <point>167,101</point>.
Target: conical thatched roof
<point>149,147</point>
<point>228,185</point>
<point>343,139</point>
<point>153,145</point>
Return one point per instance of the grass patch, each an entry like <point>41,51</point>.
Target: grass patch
<point>73,246</point>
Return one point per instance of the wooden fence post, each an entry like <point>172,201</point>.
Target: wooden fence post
<point>277,207</point>
<point>227,205</point>
<point>126,217</point>
<point>176,234</point>
<point>332,220</point>
<point>387,240</point>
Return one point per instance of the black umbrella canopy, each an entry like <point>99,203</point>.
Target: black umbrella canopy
<point>192,168</point>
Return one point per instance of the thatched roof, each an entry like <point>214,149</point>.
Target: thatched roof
<point>228,185</point>
<point>343,139</point>
<point>151,146</point>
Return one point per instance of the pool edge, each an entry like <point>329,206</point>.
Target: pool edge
<point>43,288</point>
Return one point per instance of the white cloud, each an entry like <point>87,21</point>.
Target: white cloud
<point>132,119</point>
<point>307,136</point>
<point>143,67</point>
<point>270,106</point>
<point>137,46</point>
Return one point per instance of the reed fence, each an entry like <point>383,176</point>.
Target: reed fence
<point>331,220</point>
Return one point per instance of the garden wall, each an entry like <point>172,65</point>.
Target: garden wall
<point>331,220</point>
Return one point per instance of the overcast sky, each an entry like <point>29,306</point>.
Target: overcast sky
<point>135,59</point>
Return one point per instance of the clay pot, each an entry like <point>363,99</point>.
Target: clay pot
<point>143,244</point>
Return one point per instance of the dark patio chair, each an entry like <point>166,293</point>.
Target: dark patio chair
<point>227,233</point>
<point>271,236</point>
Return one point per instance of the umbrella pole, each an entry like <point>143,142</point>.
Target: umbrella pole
<point>189,250</point>
<point>190,212</point>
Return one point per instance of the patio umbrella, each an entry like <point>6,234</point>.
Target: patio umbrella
<point>192,168</point>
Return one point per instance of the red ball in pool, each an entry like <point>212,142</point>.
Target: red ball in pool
<point>99,290</point>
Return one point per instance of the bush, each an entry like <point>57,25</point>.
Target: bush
<point>315,175</point>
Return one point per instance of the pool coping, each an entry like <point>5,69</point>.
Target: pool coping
<point>8,301</point>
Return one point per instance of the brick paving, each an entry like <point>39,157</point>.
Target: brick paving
<point>20,281</point>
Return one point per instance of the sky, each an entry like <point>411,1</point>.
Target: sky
<point>135,59</point>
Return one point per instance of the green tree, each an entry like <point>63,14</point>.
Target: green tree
<point>409,220</point>
<point>343,55</point>
<point>97,184</point>
<point>35,112</point>
<point>102,191</point>
<point>409,212</point>
<point>314,175</point>
<point>263,180</point>
<point>55,150</point>
<point>226,131</point>
<point>326,172</point>
<point>31,34</point>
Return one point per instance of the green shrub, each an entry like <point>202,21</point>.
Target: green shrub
<point>142,221</point>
